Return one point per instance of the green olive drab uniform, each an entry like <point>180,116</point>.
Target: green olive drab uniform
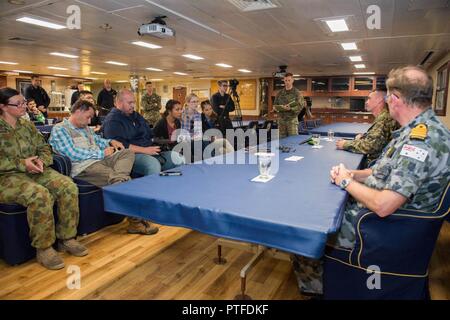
<point>151,106</point>
<point>37,192</point>
<point>288,119</point>
<point>375,139</point>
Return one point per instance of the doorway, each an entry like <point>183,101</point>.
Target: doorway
<point>179,94</point>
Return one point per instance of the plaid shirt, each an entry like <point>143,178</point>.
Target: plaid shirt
<point>62,143</point>
<point>188,119</point>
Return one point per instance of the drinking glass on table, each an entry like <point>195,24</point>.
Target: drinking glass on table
<point>264,163</point>
<point>330,135</point>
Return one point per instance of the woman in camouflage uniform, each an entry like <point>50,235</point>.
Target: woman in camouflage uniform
<point>26,179</point>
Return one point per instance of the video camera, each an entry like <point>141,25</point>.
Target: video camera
<point>233,83</point>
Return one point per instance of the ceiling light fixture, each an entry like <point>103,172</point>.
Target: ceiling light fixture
<point>180,73</point>
<point>360,66</point>
<point>7,62</point>
<point>244,70</point>
<point>349,46</point>
<point>153,69</point>
<point>223,65</point>
<point>116,63</point>
<point>64,55</point>
<point>355,58</point>
<point>57,68</point>
<point>192,56</point>
<point>337,25</point>
<point>96,72</point>
<point>41,23</point>
<point>146,45</point>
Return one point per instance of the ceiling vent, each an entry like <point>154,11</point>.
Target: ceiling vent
<point>19,39</point>
<point>253,5</point>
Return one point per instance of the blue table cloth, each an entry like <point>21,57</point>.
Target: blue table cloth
<point>342,129</point>
<point>294,212</point>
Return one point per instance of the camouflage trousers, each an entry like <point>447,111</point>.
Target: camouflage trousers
<point>309,271</point>
<point>287,127</point>
<point>152,117</point>
<point>38,193</point>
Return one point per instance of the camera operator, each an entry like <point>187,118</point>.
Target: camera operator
<point>223,104</point>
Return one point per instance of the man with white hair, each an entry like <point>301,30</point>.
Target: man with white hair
<point>412,172</point>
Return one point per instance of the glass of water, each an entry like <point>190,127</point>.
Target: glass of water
<point>316,139</point>
<point>330,135</point>
<point>264,163</point>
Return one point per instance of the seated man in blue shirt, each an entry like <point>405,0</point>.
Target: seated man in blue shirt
<point>129,127</point>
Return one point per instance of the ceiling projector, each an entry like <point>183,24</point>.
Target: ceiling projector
<point>156,28</point>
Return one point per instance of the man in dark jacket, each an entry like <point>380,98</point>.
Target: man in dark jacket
<point>76,94</point>
<point>106,98</point>
<point>130,128</point>
<point>38,94</point>
<point>222,105</point>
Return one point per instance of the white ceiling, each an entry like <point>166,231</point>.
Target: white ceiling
<point>259,41</point>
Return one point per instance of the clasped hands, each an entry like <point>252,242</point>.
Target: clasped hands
<point>339,173</point>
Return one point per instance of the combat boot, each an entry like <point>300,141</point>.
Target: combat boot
<point>49,258</point>
<point>141,227</point>
<point>73,247</point>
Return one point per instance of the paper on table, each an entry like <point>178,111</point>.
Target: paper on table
<point>262,179</point>
<point>294,158</point>
<point>317,147</point>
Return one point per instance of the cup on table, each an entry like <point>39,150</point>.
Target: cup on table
<point>316,139</point>
<point>264,163</point>
<point>49,121</point>
<point>330,135</point>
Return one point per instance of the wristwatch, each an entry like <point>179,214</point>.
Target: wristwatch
<point>345,182</point>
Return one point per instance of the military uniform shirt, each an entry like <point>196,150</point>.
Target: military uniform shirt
<point>416,168</point>
<point>20,143</point>
<point>151,105</point>
<point>292,97</point>
<point>376,138</point>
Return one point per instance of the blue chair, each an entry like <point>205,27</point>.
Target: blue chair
<point>302,128</point>
<point>400,245</point>
<point>317,122</point>
<point>310,124</point>
<point>15,245</point>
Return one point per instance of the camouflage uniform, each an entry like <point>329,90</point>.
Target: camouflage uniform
<point>151,105</point>
<point>37,192</point>
<point>375,139</point>
<point>421,181</point>
<point>287,119</point>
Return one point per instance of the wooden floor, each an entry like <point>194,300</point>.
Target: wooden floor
<point>174,264</point>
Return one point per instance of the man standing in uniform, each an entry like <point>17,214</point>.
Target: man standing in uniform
<point>288,103</point>
<point>379,134</point>
<point>151,105</point>
<point>412,173</point>
<point>38,94</point>
<point>106,98</point>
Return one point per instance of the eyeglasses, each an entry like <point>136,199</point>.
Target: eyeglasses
<point>386,97</point>
<point>20,104</point>
<point>195,101</point>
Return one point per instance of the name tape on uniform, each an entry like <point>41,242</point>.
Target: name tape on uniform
<point>414,152</point>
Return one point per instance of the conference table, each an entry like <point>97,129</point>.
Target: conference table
<point>287,213</point>
<point>342,129</point>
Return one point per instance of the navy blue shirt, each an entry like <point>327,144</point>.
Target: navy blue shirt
<point>132,129</point>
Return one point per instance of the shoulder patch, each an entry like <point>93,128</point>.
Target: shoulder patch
<point>419,132</point>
